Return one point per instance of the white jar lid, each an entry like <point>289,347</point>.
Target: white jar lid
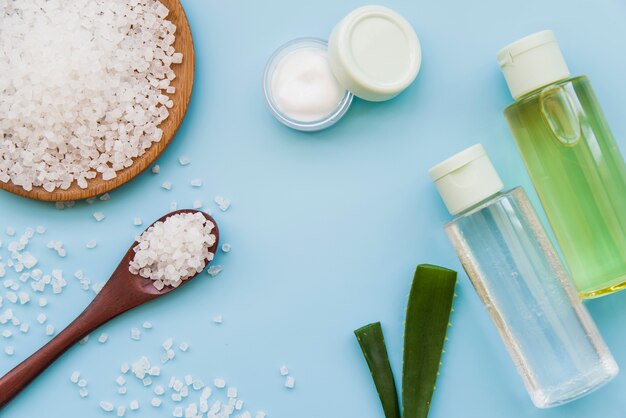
<point>374,53</point>
<point>465,179</point>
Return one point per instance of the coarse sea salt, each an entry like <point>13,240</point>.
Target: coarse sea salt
<point>172,251</point>
<point>89,100</point>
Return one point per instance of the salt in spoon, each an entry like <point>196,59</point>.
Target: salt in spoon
<point>122,292</point>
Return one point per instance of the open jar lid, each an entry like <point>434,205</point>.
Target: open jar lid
<point>374,53</point>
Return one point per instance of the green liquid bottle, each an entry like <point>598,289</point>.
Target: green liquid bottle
<point>573,161</point>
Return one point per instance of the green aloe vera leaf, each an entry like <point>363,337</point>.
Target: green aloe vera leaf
<point>372,342</point>
<point>427,320</point>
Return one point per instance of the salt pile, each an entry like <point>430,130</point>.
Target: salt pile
<point>172,251</point>
<point>83,88</point>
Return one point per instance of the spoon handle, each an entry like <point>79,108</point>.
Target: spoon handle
<point>97,313</point>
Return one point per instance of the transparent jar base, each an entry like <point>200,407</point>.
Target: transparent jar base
<point>308,126</point>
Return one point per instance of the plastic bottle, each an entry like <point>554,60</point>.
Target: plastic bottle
<point>515,270</point>
<point>572,159</point>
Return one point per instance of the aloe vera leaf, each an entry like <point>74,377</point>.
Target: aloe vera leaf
<point>372,342</point>
<point>427,320</point>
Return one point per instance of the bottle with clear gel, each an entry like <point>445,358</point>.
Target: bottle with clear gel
<point>517,274</point>
<point>572,159</point>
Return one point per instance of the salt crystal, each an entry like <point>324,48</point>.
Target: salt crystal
<point>103,338</point>
<point>134,405</point>
<point>121,411</point>
<point>159,390</point>
<point>183,161</point>
<point>40,230</point>
<point>147,325</point>
<point>135,334</point>
<point>196,183</point>
<point>106,406</point>
<point>41,318</point>
<point>24,328</point>
<point>156,402</point>
<point>83,392</point>
<point>219,383</point>
<point>49,329</point>
<point>168,344</point>
<point>290,382</point>
<point>9,350</point>
<point>7,333</point>
<point>124,368</point>
<point>137,222</point>
<point>218,319</point>
<point>122,390</point>
<point>105,197</point>
<point>166,185</point>
<point>91,244</point>
<point>75,376</point>
<point>178,412</point>
<point>284,371</point>
<point>98,216</point>
<point>197,204</point>
<point>231,392</point>
<point>222,203</point>
<point>43,302</point>
<point>156,169</point>
<point>214,270</point>
<point>120,380</point>
<point>183,346</point>
<point>226,248</point>
<point>82,383</point>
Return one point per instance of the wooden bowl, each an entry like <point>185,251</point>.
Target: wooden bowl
<point>183,83</point>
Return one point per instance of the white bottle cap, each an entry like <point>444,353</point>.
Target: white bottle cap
<point>532,62</point>
<point>466,179</point>
<point>374,53</point>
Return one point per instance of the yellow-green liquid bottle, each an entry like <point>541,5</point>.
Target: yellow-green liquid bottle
<point>573,161</point>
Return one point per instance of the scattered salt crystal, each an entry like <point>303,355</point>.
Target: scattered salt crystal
<point>40,229</point>
<point>147,381</point>
<point>260,414</point>
<point>183,347</point>
<point>90,200</point>
<point>188,379</point>
<point>239,405</point>
<point>178,412</point>
<point>284,371</point>
<point>167,344</point>
<point>156,402</point>
<point>83,392</point>
<point>214,270</point>
<point>84,339</point>
<point>24,328</point>
<point>7,333</point>
<point>43,302</point>
<point>121,411</point>
<point>173,206</point>
<point>178,385</point>
<point>196,182</point>
<point>122,390</point>
<point>98,216</point>
<point>197,204</point>
<point>206,393</point>
<point>197,384</point>
<point>159,390</point>
<point>9,350</point>
<point>222,203</point>
<point>11,296</point>
<point>106,406</point>
<point>290,382</point>
<point>219,383</point>
<point>75,376</point>
<point>82,383</point>
<point>91,244</point>
<point>41,318</point>
<point>105,197</point>
<point>176,397</point>
<point>134,405</point>
<point>135,334</point>
<point>226,248</point>
<point>231,392</point>
<point>166,185</point>
<point>124,368</point>
<point>137,222</point>
<point>49,329</point>
<point>183,160</point>
<point>120,380</point>
<point>10,231</point>
<point>147,325</point>
<point>103,338</point>
<point>218,319</point>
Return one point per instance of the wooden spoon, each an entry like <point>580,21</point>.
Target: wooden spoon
<point>183,84</point>
<point>122,292</point>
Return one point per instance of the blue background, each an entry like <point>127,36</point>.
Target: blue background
<point>326,228</point>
